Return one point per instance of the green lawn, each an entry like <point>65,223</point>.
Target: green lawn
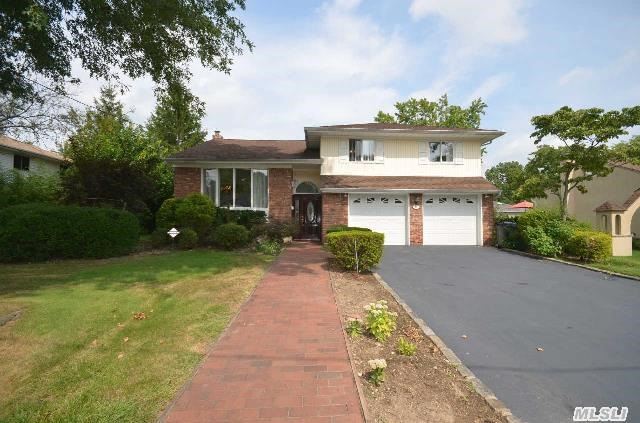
<point>626,265</point>
<point>77,354</point>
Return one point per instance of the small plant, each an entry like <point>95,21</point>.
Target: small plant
<point>380,321</point>
<point>354,328</point>
<point>231,236</point>
<point>269,247</point>
<point>376,375</point>
<point>405,347</point>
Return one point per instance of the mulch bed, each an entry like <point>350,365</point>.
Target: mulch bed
<point>421,388</point>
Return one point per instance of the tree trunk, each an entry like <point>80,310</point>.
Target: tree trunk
<point>565,197</point>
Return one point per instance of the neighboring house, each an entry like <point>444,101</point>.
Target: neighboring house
<point>513,210</point>
<point>614,189</point>
<point>416,184</point>
<point>28,158</point>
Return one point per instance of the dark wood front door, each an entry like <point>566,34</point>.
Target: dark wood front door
<point>307,211</point>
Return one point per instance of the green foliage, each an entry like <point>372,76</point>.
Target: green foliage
<point>247,218</point>
<point>269,247</point>
<point>108,39</point>
<point>356,250</point>
<point>627,152</point>
<point>635,243</point>
<point>342,228</point>
<point>539,242</point>
<point>583,154</point>
<point>187,239</point>
<point>354,328</point>
<point>275,230</point>
<point>160,238</point>
<point>380,321</point>
<point>195,211</point>
<point>508,177</point>
<point>36,232</point>
<point>376,375</point>
<point>17,188</point>
<point>177,117</point>
<point>435,113</point>
<point>230,236</point>
<point>590,246</point>
<point>405,347</point>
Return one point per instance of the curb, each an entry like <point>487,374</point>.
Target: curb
<point>354,372</point>
<point>569,263</point>
<point>482,389</point>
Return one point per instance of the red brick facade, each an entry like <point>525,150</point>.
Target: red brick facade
<point>488,223</point>
<point>415,219</point>
<point>186,180</point>
<point>335,211</point>
<point>280,192</point>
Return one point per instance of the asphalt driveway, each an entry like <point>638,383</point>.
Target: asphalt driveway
<point>587,323</point>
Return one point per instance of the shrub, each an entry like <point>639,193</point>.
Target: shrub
<point>36,232</point>
<point>187,239</point>
<point>269,247</point>
<point>230,236</point>
<point>275,231</point>
<point>195,211</point>
<point>377,366</point>
<point>405,347</point>
<point>17,188</point>
<point>380,321</point>
<point>540,218</point>
<point>541,243</point>
<point>356,250</point>
<point>590,246</point>
<point>160,238</point>
<point>635,243</point>
<point>246,218</point>
<point>354,328</point>
<point>342,228</point>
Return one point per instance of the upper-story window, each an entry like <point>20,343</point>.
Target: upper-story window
<point>21,162</point>
<point>441,151</point>
<point>362,150</point>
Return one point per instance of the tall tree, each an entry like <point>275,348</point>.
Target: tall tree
<point>41,39</point>
<point>627,152</point>
<point>583,153</point>
<point>177,117</point>
<point>435,113</point>
<point>508,177</point>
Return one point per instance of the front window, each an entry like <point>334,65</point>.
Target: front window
<point>21,162</point>
<point>441,152</point>
<point>362,150</point>
<point>237,188</point>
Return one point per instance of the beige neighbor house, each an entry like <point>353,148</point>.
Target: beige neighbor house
<point>609,204</point>
<point>28,158</point>
<point>416,184</point>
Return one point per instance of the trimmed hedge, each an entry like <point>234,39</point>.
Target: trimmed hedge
<point>356,250</point>
<point>187,239</point>
<point>342,228</point>
<point>230,236</point>
<point>247,218</point>
<point>589,246</point>
<point>37,232</point>
<point>194,211</point>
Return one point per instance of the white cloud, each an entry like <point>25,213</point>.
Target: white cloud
<point>489,86</point>
<point>577,74</point>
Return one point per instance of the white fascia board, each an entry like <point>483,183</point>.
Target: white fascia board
<point>405,191</point>
<point>226,164</point>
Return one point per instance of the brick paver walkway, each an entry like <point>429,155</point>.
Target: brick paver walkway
<point>283,358</point>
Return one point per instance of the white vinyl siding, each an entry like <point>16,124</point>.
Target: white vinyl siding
<point>401,158</point>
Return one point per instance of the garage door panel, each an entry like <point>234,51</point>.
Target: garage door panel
<point>450,220</point>
<point>380,213</point>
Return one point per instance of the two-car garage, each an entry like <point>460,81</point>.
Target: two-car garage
<point>447,219</point>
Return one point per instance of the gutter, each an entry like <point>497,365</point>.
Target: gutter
<point>178,162</point>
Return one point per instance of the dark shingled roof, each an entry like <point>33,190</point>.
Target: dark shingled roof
<point>609,206</point>
<point>382,126</point>
<point>238,149</point>
<point>427,183</point>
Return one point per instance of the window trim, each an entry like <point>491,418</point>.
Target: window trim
<point>375,146</point>
<point>233,189</point>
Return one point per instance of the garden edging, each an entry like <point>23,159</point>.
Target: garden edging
<point>477,384</point>
<point>570,263</point>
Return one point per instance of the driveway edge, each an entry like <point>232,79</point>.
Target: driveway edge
<point>570,263</point>
<point>482,389</point>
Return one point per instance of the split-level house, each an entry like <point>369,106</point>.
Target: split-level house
<point>27,158</point>
<point>419,185</point>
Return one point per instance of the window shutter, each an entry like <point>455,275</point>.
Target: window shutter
<point>422,153</point>
<point>344,150</point>
<point>457,153</point>
<point>379,151</point>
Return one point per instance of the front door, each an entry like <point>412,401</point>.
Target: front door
<point>307,211</point>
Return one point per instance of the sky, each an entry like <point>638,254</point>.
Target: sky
<point>340,61</point>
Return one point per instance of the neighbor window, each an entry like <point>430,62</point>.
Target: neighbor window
<point>237,188</point>
<point>362,150</point>
<point>21,162</point>
<point>441,152</point>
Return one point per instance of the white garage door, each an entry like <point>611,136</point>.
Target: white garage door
<point>450,220</point>
<point>380,213</point>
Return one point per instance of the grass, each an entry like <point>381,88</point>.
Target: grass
<point>626,265</point>
<point>77,354</point>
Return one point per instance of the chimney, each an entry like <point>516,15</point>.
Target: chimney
<point>217,136</point>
